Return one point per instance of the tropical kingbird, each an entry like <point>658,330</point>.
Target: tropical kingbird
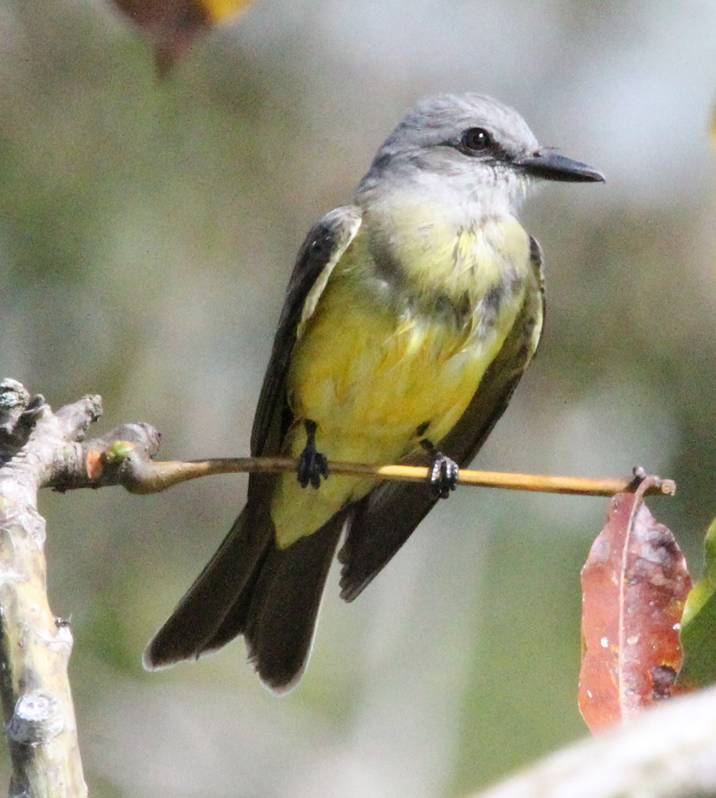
<point>409,318</point>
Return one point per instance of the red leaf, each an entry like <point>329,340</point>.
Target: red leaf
<point>634,585</point>
<point>173,25</point>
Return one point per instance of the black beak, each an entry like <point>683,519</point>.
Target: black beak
<point>550,165</point>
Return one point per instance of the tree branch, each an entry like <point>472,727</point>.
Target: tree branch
<point>39,448</point>
<point>124,457</point>
<point>666,752</point>
<point>34,646</point>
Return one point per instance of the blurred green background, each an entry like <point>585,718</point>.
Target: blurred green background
<point>147,230</point>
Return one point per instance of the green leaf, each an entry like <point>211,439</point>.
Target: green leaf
<point>118,452</point>
<point>698,625</point>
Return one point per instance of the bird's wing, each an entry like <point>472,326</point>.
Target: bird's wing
<point>383,520</point>
<point>244,587</point>
<point>324,245</point>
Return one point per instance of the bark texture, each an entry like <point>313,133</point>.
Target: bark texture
<point>40,448</point>
<point>666,752</point>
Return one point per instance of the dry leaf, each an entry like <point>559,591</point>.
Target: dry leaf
<point>173,25</point>
<point>634,585</point>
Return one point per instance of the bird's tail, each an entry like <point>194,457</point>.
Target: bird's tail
<point>250,587</point>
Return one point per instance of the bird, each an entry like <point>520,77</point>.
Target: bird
<point>408,320</point>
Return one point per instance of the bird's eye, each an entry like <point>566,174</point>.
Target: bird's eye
<point>476,139</point>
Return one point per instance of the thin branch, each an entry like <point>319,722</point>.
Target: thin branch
<point>130,465</point>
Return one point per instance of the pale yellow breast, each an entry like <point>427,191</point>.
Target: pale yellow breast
<point>438,257</point>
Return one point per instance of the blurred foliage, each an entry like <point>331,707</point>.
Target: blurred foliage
<point>147,230</point>
<point>699,622</point>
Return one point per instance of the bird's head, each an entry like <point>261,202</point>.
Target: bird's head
<point>468,147</point>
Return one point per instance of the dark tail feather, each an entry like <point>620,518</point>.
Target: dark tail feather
<point>281,618</point>
<point>194,623</point>
<point>379,525</point>
<point>249,587</point>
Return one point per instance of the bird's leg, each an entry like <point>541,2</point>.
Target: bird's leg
<point>444,472</point>
<point>312,465</point>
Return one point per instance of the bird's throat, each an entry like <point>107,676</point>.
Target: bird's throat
<point>446,263</point>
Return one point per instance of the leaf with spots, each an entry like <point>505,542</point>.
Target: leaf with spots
<point>173,25</point>
<point>634,585</point>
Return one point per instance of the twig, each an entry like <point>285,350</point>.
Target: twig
<point>127,462</point>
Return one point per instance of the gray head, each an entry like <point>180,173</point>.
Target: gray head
<point>468,143</point>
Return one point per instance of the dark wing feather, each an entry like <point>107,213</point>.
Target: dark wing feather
<point>324,245</point>
<point>382,521</point>
<point>246,582</point>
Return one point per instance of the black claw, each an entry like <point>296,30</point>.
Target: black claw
<point>444,474</point>
<point>312,465</point>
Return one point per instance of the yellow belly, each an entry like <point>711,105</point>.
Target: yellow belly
<point>370,380</point>
<point>362,373</point>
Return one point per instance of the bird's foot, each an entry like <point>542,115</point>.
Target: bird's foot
<point>444,474</point>
<point>312,465</point>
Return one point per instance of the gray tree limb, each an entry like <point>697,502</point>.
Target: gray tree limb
<point>674,746</point>
<point>39,448</point>
<point>666,752</point>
